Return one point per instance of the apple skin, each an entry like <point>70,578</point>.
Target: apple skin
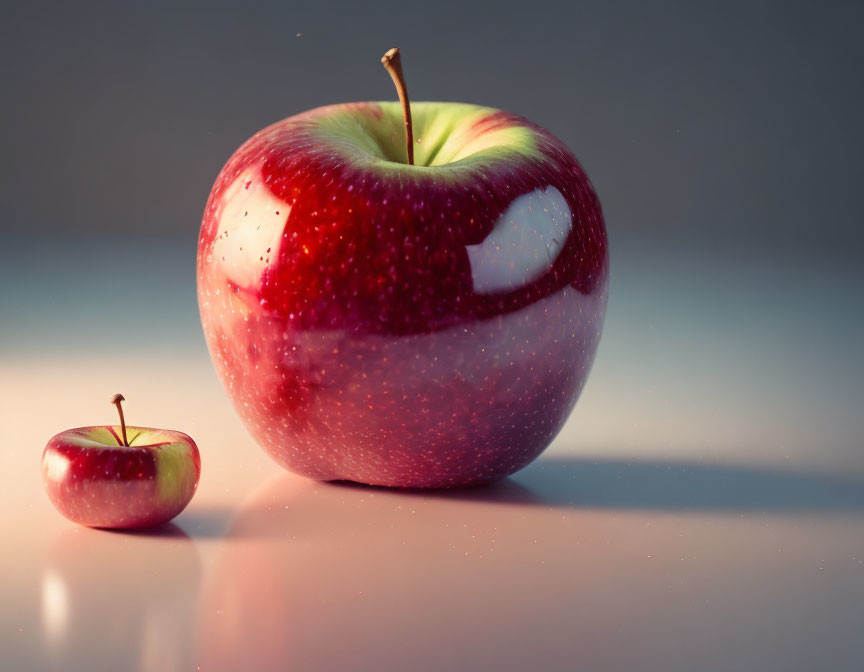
<point>94,480</point>
<point>411,326</point>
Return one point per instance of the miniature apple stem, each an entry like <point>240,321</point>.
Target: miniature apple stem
<point>117,400</point>
<point>392,62</point>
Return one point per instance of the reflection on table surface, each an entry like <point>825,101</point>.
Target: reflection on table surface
<point>529,571</point>
<point>126,598</point>
<point>703,508</point>
<point>317,576</point>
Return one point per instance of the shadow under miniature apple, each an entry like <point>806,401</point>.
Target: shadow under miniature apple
<point>139,477</point>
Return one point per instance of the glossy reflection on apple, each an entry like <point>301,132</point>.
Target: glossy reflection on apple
<point>426,325</point>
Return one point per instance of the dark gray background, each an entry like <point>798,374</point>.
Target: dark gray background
<point>723,125</point>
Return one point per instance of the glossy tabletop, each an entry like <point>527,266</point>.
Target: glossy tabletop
<point>702,509</point>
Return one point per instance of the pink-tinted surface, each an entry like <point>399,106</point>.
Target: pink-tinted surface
<point>118,486</point>
<point>401,328</point>
<point>702,509</point>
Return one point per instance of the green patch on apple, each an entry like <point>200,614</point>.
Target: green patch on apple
<point>446,135</point>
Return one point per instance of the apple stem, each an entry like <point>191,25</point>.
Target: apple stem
<point>117,400</point>
<point>392,62</point>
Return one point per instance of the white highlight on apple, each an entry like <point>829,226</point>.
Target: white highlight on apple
<point>524,244</point>
<point>56,466</point>
<point>251,225</point>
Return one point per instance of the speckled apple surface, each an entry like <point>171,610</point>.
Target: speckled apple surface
<point>413,326</point>
<point>94,480</point>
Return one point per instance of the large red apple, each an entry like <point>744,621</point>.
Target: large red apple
<point>425,325</point>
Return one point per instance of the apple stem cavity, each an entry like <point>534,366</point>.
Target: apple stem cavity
<point>392,62</point>
<point>118,400</point>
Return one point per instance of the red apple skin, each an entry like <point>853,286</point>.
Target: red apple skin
<point>351,330</point>
<point>114,486</point>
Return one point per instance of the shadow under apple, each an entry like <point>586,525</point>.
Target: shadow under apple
<point>688,485</point>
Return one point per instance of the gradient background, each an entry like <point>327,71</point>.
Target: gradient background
<point>721,428</point>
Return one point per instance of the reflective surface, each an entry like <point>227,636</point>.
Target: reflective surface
<point>403,325</point>
<point>704,510</point>
<point>330,577</point>
<point>110,600</point>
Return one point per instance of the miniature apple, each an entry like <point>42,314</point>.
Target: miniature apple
<point>138,477</point>
<point>422,318</point>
